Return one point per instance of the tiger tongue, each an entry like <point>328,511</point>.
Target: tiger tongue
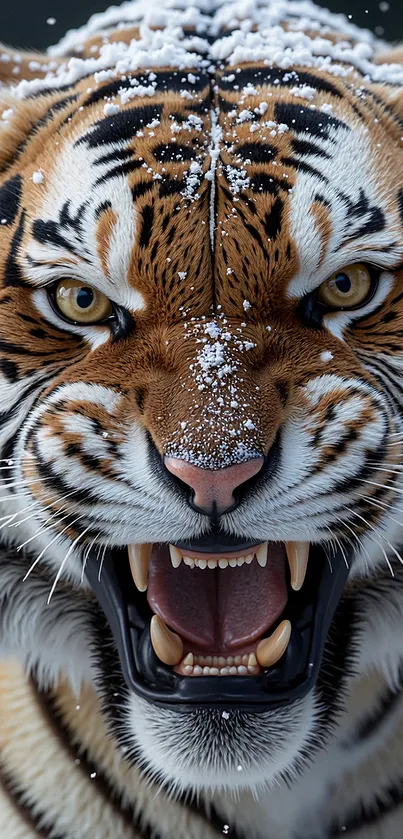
<point>218,610</point>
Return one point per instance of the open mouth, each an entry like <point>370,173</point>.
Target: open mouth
<point>219,621</point>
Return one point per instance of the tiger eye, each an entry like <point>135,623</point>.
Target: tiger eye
<point>81,303</point>
<point>347,288</point>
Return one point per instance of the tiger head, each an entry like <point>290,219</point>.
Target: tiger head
<point>201,317</point>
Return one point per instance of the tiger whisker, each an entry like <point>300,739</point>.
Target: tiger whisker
<point>384,507</point>
<point>58,535</point>
<point>86,554</point>
<point>101,563</point>
<point>62,566</point>
<point>383,486</point>
<point>371,526</point>
<point>43,507</point>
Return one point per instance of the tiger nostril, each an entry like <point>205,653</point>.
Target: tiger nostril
<point>212,490</point>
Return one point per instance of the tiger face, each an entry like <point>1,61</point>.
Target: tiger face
<point>201,313</point>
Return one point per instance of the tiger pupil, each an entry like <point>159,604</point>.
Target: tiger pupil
<point>343,283</point>
<point>85,297</point>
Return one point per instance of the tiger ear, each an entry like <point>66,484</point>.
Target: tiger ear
<point>18,116</point>
<point>16,65</point>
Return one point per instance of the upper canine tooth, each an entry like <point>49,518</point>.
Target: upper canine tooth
<point>176,556</point>
<point>139,559</point>
<point>297,553</point>
<point>167,645</point>
<point>270,650</point>
<point>261,554</point>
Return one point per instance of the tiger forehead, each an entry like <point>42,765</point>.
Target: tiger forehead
<point>188,194</point>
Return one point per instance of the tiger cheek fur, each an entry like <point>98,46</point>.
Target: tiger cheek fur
<point>209,205</point>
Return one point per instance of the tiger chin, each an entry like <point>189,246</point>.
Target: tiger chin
<point>201,320</point>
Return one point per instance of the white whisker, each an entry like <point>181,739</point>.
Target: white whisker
<point>62,566</point>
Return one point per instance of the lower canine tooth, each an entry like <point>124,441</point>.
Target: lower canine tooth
<point>270,650</point>
<point>297,553</point>
<point>139,559</point>
<point>167,645</point>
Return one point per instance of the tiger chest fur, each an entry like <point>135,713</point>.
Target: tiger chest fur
<point>201,315</point>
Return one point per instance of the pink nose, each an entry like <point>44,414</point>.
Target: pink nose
<point>214,488</point>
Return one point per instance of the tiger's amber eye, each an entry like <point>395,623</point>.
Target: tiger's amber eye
<point>81,303</point>
<point>346,289</point>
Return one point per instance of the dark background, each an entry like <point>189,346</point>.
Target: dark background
<point>25,24</point>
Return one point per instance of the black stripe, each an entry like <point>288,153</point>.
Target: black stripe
<point>262,182</point>
<point>112,156</point>
<point>256,152</point>
<point>301,166</point>
<point>81,760</point>
<point>37,124</point>
<point>300,118</point>
<point>279,78</point>
<point>170,186</point>
<point>103,784</point>
<point>120,126</point>
<point>47,232</point>
<point>147,226</point>
<point>375,224</point>
<point>369,725</point>
<point>106,91</point>
<point>141,189</point>
<point>55,482</point>
<point>304,147</point>
<point>273,219</point>
<point>9,369</point>
<point>164,81</point>
<point>38,385</point>
<point>10,195</point>
<point>34,820</point>
<point>13,273</point>
<point>173,152</point>
<point>385,802</point>
<point>122,169</point>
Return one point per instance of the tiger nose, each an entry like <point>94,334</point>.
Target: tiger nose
<point>213,489</point>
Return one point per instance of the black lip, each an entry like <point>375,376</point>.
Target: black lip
<point>311,612</point>
<point>215,541</point>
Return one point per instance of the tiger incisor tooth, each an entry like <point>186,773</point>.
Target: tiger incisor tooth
<point>167,645</point>
<point>270,650</point>
<point>297,554</point>
<point>139,559</point>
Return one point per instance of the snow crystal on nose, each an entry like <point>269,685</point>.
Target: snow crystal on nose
<point>224,425</point>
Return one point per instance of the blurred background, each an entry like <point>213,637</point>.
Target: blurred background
<point>38,23</point>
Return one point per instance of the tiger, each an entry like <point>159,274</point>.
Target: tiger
<point>201,430</point>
